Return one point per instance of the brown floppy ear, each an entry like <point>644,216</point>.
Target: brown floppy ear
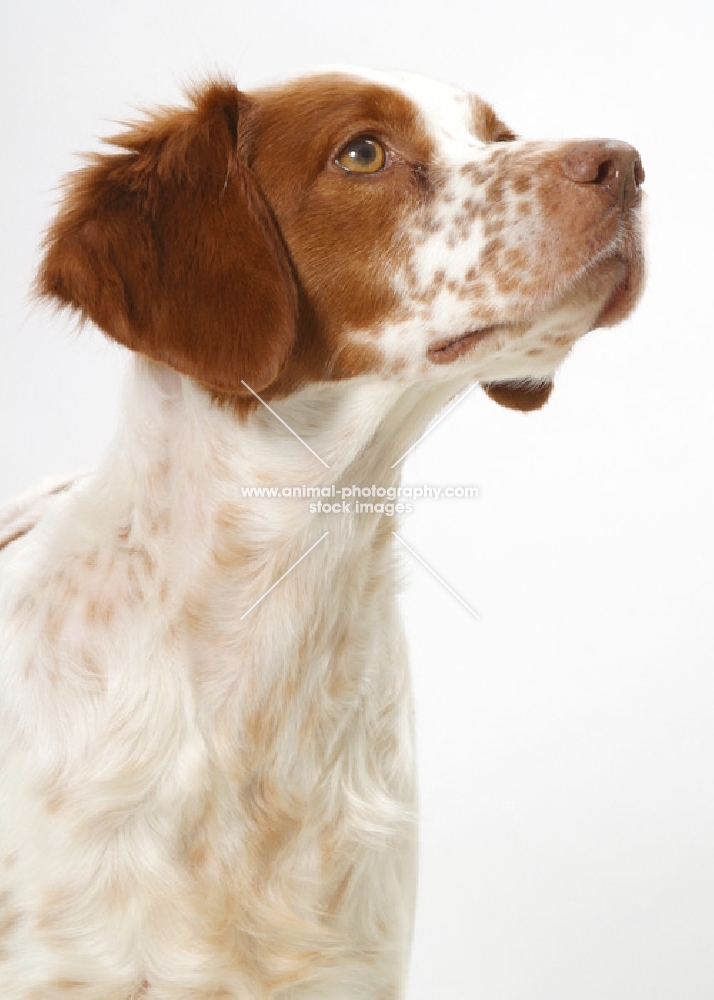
<point>519,395</point>
<point>170,248</point>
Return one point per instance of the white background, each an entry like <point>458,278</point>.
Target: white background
<point>566,741</point>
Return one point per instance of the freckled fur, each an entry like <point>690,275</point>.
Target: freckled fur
<point>204,804</point>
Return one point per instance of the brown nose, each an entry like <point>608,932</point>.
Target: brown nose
<point>613,166</point>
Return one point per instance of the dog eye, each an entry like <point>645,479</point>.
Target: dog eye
<point>363,156</point>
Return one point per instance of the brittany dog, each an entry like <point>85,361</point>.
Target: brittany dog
<point>206,749</point>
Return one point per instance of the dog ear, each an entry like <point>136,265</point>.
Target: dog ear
<point>519,395</point>
<point>169,247</point>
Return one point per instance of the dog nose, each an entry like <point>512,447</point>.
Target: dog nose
<point>606,163</point>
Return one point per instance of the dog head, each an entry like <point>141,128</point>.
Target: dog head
<point>344,224</point>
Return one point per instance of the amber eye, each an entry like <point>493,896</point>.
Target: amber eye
<point>363,156</point>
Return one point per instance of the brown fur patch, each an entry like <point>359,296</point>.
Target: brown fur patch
<point>486,124</point>
<point>515,396</point>
<point>14,535</point>
<point>343,231</point>
<point>170,249</point>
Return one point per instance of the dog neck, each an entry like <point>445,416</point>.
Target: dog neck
<point>182,472</point>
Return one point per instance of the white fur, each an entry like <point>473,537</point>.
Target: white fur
<point>107,766</point>
<point>199,802</point>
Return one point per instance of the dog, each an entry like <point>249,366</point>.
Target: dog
<point>206,738</point>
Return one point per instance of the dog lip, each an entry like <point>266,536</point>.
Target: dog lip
<point>446,351</point>
<point>621,301</point>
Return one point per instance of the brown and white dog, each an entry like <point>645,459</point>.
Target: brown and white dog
<point>208,792</point>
